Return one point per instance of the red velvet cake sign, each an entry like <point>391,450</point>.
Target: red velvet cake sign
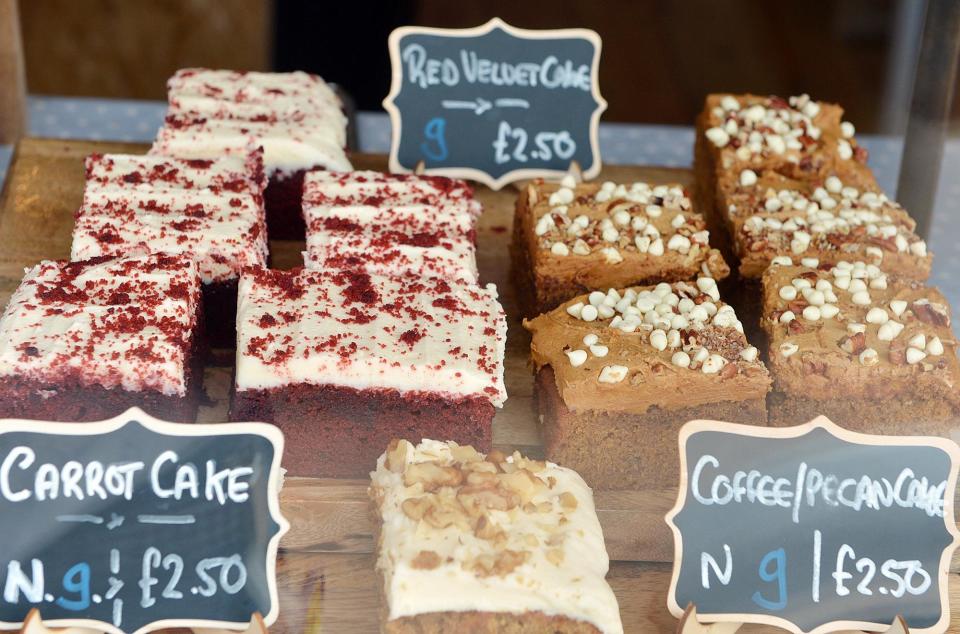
<point>495,103</point>
<point>813,528</point>
<point>134,524</point>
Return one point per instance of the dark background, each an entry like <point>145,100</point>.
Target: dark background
<point>660,57</point>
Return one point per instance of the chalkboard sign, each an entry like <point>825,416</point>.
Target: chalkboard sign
<point>813,528</point>
<point>134,524</point>
<point>495,103</point>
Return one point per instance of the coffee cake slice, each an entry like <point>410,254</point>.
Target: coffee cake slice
<point>619,372</point>
<point>867,347</point>
<point>569,239</point>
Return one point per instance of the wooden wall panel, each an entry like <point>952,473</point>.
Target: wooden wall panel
<point>124,48</point>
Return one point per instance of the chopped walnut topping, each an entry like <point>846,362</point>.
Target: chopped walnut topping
<point>487,498</point>
<point>431,476</point>
<point>426,560</point>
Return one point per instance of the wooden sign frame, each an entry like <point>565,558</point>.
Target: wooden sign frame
<point>396,85</point>
<point>136,415</point>
<point>822,422</point>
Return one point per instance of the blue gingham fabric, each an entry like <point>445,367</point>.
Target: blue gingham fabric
<point>672,146</point>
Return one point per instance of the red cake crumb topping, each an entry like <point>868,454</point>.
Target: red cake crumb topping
<point>125,193</point>
<point>125,323</point>
<point>354,328</point>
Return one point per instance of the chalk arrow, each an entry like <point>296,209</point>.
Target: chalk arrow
<point>115,521</point>
<point>506,102</point>
<point>479,106</point>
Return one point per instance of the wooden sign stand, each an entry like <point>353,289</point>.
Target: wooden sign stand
<point>689,624</point>
<point>33,624</point>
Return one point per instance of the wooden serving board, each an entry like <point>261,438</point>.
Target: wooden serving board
<point>325,570</point>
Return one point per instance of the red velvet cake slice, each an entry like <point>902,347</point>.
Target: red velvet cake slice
<point>85,341</point>
<point>210,209</point>
<point>296,117</point>
<point>343,361</point>
<point>391,225</point>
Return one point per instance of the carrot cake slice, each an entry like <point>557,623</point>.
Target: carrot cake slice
<point>487,543</point>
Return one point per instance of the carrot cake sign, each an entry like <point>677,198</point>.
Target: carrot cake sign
<point>134,524</point>
<point>813,528</point>
<point>495,103</point>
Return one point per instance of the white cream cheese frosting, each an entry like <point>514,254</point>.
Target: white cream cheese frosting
<point>397,226</point>
<point>366,331</point>
<point>210,209</point>
<point>124,323</point>
<point>502,534</point>
<point>296,117</point>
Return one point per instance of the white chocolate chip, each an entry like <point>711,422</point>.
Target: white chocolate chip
<point>599,351</point>
<point>788,293</point>
<point>718,136</point>
<point>749,354</point>
<point>889,331</point>
<point>877,316</point>
<point>854,328</point>
<point>811,313</point>
<point>788,348</point>
<point>658,339</point>
<point>729,103</point>
<point>708,286</point>
<point>869,356</point>
<point>844,149</point>
<point>782,260</point>
<point>679,243</point>
<point>613,374</point>
<point>787,317</point>
<point>656,247</point>
<point>713,364</point>
<point>596,298</point>
<point>862,298</point>
<point>847,129</point>
<point>915,356</point>
<point>560,249</point>
<point>829,311</point>
<point>568,181</point>
<point>918,341</point>
<point>590,339</point>
<point>611,255</point>
<point>575,309</point>
<point>700,355</point>
<point>577,357</point>
<point>748,178</point>
<point>589,313</point>
<point>680,359</point>
<point>935,347</point>
<point>581,248</point>
<point>544,224</point>
<point>898,306</point>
